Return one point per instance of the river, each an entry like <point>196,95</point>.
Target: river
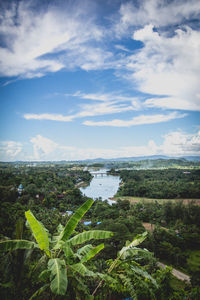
<point>104,186</point>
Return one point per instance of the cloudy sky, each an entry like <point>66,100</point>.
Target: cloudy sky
<point>103,78</point>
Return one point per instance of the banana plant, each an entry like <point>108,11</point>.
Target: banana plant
<point>63,263</point>
<point>126,272</point>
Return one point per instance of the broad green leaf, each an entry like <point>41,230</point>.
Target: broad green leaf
<point>58,276</point>
<point>58,245</point>
<point>39,232</point>
<point>10,245</point>
<point>89,235</point>
<point>27,254</point>
<point>41,263</point>
<point>92,253</point>
<point>81,269</point>
<point>138,253</point>
<point>44,275</point>
<point>144,274</point>
<point>60,228</point>
<point>75,218</point>
<point>136,241</point>
<point>56,236</point>
<point>39,291</point>
<point>68,252</point>
<point>84,250</point>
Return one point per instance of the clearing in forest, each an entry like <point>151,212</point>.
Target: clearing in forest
<point>134,200</point>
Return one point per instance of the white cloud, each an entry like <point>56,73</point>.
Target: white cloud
<point>167,66</point>
<point>173,103</point>
<point>156,12</point>
<point>105,108</point>
<point>175,143</point>
<point>68,34</point>
<point>51,117</point>
<point>109,104</point>
<point>106,97</point>
<point>179,143</point>
<point>121,47</point>
<point>9,150</point>
<point>139,120</point>
<point>46,149</point>
<point>42,147</point>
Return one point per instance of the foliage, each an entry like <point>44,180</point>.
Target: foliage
<point>51,190</point>
<point>62,260</point>
<point>160,184</point>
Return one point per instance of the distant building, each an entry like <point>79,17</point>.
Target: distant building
<point>87,223</point>
<point>20,189</point>
<point>69,212</point>
<point>90,222</point>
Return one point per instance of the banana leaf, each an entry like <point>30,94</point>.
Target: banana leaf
<point>81,269</point>
<point>136,241</point>
<point>10,245</point>
<point>44,275</point>
<point>144,274</point>
<point>84,250</point>
<point>58,276</point>
<point>68,253</point>
<point>92,253</point>
<point>75,218</point>
<point>39,232</point>
<point>39,291</point>
<point>84,271</point>
<point>89,235</point>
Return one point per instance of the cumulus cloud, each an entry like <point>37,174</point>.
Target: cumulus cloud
<point>42,147</point>
<point>175,143</point>
<point>180,143</point>
<point>37,41</point>
<point>157,12</point>
<point>168,67</point>
<point>139,120</point>
<point>10,150</point>
<point>46,149</point>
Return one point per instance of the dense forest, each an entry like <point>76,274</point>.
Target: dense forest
<point>47,251</point>
<point>166,184</point>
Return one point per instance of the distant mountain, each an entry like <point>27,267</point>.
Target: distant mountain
<point>139,158</point>
<point>192,158</point>
<point>104,160</point>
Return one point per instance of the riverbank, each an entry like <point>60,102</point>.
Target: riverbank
<point>82,184</point>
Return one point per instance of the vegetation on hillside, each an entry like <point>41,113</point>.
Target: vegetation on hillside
<point>113,269</point>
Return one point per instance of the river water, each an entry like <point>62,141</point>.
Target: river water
<point>104,186</point>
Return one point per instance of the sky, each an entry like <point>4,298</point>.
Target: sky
<point>104,78</point>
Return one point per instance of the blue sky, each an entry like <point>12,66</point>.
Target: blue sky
<point>88,79</point>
